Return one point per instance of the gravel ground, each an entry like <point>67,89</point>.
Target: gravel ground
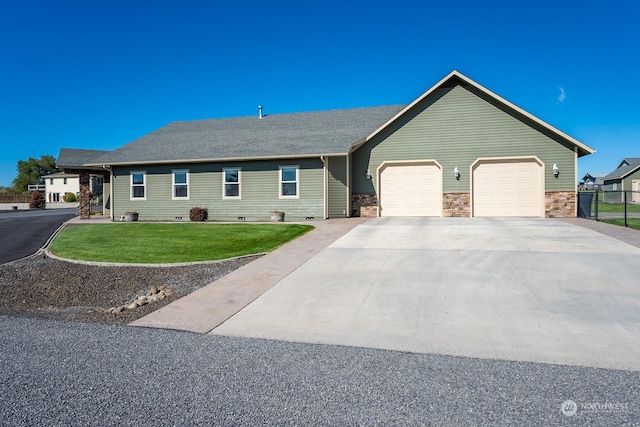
<point>47,288</point>
<point>61,373</point>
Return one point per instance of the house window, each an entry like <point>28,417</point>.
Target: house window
<point>289,178</point>
<point>138,185</point>
<point>231,184</point>
<point>50,181</point>
<point>64,181</point>
<point>180,184</point>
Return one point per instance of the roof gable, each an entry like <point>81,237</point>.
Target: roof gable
<point>456,77</point>
<point>627,166</point>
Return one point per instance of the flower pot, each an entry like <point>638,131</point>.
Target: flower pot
<point>277,216</point>
<point>130,217</point>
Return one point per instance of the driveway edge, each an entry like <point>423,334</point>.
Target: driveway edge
<point>208,307</point>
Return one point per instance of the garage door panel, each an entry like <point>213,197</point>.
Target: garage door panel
<point>410,190</point>
<point>509,188</point>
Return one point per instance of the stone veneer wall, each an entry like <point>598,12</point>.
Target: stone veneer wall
<point>560,204</point>
<point>364,205</point>
<point>456,204</point>
<point>85,195</point>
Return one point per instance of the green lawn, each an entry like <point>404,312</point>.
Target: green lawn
<point>171,243</point>
<point>632,222</point>
<point>615,207</point>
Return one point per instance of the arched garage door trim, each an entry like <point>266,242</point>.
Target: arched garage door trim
<point>534,165</point>
<point>431,167</point>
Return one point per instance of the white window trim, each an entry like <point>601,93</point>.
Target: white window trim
<point>173,184</point>
<point>224,184</point>
<point>144,185</point>
<point>280,182</point>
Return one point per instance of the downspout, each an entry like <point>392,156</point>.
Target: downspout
<point>349,196</point>
<point>325,179</point>
<point>575,181</point>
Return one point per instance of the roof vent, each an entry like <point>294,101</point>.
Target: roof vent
<point>260,111</point>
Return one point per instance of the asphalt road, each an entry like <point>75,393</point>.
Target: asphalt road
<point>23,233</point>
<point>86,374</point>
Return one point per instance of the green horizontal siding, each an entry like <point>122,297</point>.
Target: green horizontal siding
<point>338,204</point>
<point>455,127</point>
<point>628,181</point>
<point>259,188</point>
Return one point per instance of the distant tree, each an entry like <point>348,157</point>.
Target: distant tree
<point>31,171</point>
<point>37,200</point>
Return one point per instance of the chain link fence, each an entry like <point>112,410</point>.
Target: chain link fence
<point>606,203</point>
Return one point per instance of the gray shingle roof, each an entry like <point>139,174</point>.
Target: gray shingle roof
<point>275,135</point>
<point>627,166</point>
<point>61,175</point>
<point>74,158</point>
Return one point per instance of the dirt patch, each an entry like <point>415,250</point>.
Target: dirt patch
<point>47,288</point>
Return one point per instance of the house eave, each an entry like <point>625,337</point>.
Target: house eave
<point>220,159</point>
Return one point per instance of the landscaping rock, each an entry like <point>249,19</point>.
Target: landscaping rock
<point>47,288</point>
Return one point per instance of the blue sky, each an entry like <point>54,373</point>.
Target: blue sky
<point>99,74</point>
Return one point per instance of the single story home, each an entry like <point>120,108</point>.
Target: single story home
<point>456,150</point>
<point>626,177</point>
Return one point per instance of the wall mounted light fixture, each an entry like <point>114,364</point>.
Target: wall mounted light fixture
<point>456,173</point>
<point>367,174</point>
<point>556,170</point>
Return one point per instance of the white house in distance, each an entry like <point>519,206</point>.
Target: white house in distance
<point>58,184</point>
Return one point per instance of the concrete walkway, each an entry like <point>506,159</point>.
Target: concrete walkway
<point>624,234</point>
<point>208,307</point>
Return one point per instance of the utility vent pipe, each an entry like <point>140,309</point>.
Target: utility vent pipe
<point>259,111</point>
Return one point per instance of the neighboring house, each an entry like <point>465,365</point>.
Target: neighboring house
<point>58,184</point>
<point>626,177</point>
<point>457,150</point>
<point>592,181</point>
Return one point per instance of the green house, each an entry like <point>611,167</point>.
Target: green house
<point>457,150</point>
<point>626,178</point>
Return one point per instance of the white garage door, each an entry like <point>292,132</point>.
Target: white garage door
<point>411,190</point>
<point>507,188</point>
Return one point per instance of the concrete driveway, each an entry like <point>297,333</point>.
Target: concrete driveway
<point>536,290</point>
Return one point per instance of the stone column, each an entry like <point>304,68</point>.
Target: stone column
<point>85,196</point>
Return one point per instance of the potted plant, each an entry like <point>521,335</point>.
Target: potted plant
<point>277,216</point>
<point>130,216</point>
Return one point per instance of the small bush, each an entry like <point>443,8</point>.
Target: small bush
<point>37,200</point>
<point>199,214</point>
<point>69,197</point>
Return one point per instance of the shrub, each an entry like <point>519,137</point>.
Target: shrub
<point>199,214</point>
<point>69,197</point>
<point>37,200</point>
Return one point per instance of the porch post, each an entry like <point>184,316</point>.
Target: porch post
<point>85,195</point>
